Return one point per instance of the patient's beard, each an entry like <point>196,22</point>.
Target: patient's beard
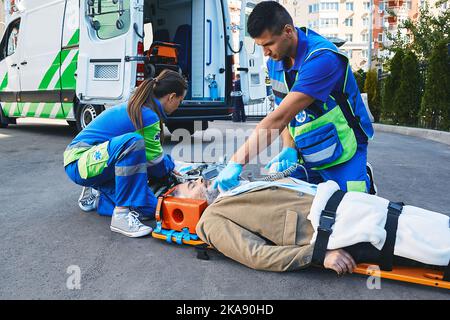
<point>211,194</point>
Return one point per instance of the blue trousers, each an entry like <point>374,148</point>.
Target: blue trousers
<point>124,182</point>
<point>350,175</point>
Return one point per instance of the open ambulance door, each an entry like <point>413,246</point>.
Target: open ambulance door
<point>109,36</point>
<point>251,60</point>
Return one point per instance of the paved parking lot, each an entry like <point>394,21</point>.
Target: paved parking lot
<point>43,231</point>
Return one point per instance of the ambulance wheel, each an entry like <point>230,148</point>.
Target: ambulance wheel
<point>86,113</point>
<point>3,119</point>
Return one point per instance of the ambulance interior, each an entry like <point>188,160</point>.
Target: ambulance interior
<point>194,26</point>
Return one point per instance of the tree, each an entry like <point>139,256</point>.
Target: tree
<point>420,36</point>
<point>391,85</point>
<point>407,98</point>
<point>372,87</point>
<point>435,108</point>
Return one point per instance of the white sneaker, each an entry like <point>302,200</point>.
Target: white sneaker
<point>127,223</point>
<point>88,200</point>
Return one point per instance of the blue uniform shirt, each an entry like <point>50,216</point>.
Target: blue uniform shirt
<point>323,73</point>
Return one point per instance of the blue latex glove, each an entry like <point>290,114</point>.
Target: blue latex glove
<point>228,177</point>
<point>285,159</point>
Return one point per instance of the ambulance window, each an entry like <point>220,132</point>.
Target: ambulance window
<point>10,39</point>
<point>110,18</point>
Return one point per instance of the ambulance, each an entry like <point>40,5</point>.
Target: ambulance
<point>71,59</point>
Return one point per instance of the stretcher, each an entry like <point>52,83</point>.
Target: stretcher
<point>161,56</point>
<point>426,277</point>
<point>177,219</point>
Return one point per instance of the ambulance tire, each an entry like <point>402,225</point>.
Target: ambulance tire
<point>86,113</point>
<point>4,122</point>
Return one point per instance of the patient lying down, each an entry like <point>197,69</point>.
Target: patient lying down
<point>273,226</point>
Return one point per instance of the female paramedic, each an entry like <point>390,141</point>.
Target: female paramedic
<point>120,150</point>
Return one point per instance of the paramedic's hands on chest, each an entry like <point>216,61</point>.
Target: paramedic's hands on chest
<point>315,79</point>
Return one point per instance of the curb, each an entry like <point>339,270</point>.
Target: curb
<point>434,135</point>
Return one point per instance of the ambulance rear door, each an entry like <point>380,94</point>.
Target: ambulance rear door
<point>109,35</point>
<point>251,60</point>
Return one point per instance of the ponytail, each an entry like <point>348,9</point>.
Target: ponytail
<point>150,89</point>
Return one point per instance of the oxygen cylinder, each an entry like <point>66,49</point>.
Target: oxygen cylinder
<point>213,88</point>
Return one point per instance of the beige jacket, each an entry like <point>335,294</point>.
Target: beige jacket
<point>264,229</point>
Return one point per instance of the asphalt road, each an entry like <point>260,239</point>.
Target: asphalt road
<point>43,232</point>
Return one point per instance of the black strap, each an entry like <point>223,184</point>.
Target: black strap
<point>342,101</point>
<point>290,83</point>
<point>317,110</point>
<point>387,253</point>
<point>327,219</point>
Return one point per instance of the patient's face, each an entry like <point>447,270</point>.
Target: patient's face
<point>200,189</point>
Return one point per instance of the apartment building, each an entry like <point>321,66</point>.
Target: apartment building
<point>348,20</point>
<point>390,15</point>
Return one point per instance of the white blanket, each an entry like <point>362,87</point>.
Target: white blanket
<point>422,235</point>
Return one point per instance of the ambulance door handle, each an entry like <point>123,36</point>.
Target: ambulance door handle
<point>24,63</point>
<point>210,42</point>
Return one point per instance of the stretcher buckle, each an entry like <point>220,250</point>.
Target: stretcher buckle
<point>398,207</point>
<point>327,220</point>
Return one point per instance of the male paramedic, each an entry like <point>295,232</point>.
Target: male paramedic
<point>289,224</point>
<point>321,116</point>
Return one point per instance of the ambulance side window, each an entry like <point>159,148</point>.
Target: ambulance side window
<point>10,40</point>
<point>110,18</point>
